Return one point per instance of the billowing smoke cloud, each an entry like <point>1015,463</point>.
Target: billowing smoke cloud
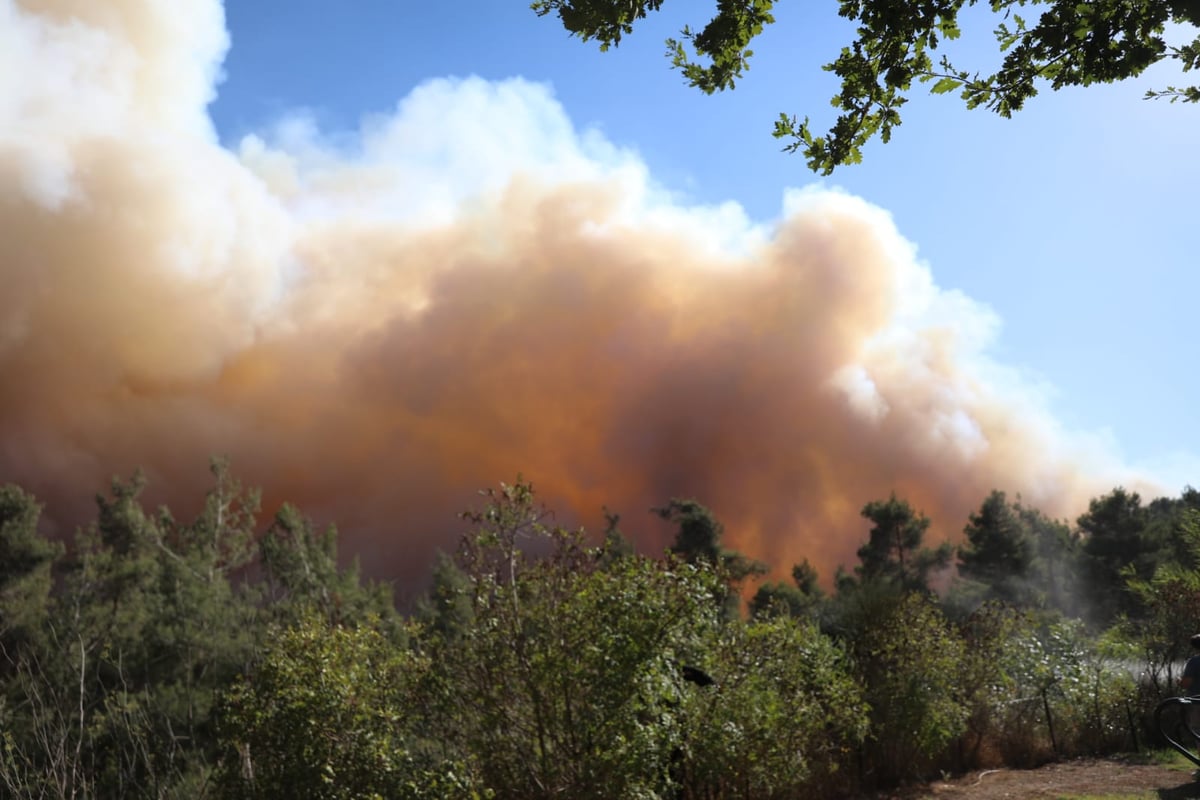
<point>376,325</point>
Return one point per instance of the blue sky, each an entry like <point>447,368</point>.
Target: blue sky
<point>1074,221</point>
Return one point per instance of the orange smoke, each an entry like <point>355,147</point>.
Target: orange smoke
<point>471,290</point>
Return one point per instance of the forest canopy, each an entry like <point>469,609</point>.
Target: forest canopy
<point>238,655</point>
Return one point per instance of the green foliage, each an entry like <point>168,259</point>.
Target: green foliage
<point>1125,543</point>
<point>698,542</point>
<point>1041,690</point>
<point>446,610</point>
<point>989,687</point>
<point>1069,44</point>
<point>1114,539</point>
<point>1096,691</point>
<point>910,663</point>
<point>154,626</point>
<point>616,545</point>
<point>1016,555</point>
<point>781,599</point>
<point>698,537</point>
<point>1057,561</point>
<point>115,571</point>
<point>724,43</point>
<point>26,561</point>
<point>1065,692</point>
<point>1172,602</point>
<point>303,574</point>
<point>327,713</point>
<point>603,20</point>
<point>541,666</point>
<point>999,550</point>
<point>1167,519</point>
<point>566,681</point>
<point>802,599</point>
<point>110,678</point>
<point>784,719</point>
<point>894,551</point>
<point>96,707</point>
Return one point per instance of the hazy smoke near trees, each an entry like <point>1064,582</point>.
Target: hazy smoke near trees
<point>376,324</point>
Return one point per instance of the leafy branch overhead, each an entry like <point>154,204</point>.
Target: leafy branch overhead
<point>1071,43</point>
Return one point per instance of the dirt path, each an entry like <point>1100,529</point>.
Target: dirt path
<point>1090,777</point>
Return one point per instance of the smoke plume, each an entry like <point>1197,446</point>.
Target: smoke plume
<point>376,324</point>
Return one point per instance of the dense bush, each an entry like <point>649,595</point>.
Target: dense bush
<point>910,662</point>
<point>224,657</point>
<point>565,679</point>
<point>784,718</point>
<point>1058,694</point>
<point>333,713</point>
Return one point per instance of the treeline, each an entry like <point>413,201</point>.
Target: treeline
<point>155,657</point>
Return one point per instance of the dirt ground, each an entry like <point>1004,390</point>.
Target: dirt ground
<point>1089,777</point>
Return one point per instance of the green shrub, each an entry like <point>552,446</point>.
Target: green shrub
<point>1061,696</point>
<point>782,720</point>
<point>328,714</point>
<point>911,663</point>
<point>564,679</point>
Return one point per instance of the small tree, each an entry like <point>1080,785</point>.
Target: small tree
<point>567,679</point>
<point>989,634</point>
<point>1114,528</point>
<point>910,662</point>
<point>999,551</point>
<point>698,541</point>
<point>1172,602</point>
<point>802,599</point>
<point>894,552</point>
<point>302,574</point>
<point>1057,561</point>
<point>26,561</point>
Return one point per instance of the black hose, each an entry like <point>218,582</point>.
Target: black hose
<point>1183,703</point>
